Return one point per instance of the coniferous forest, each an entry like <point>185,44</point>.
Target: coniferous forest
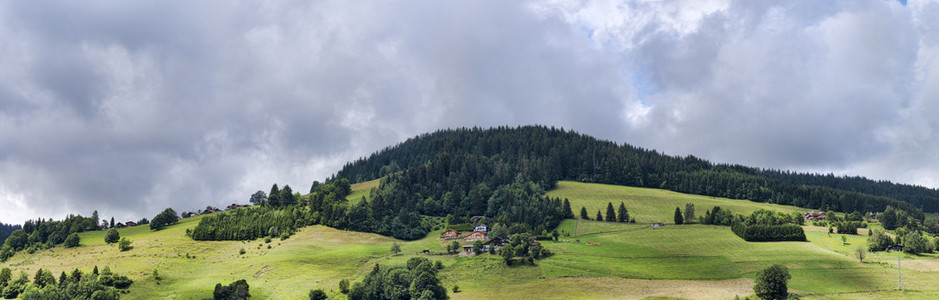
<point>454,171</point>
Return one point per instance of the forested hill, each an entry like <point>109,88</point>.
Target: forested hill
<point>5,230</point>
<point>450,159</point>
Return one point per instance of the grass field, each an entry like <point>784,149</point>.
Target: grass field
<point>649,205</point>
<point>632,261</point>
<point>362,189</point>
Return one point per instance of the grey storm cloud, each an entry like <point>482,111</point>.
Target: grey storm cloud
<point>131,107</point>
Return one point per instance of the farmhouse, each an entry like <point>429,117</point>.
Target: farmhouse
<point>235,206</point>
<point>533,244</point>
<point>495,243</point>
<point>450,234</point>
<point>120,225</point>
<point>481,227</point>
<point>130,223</point>
<point>209,211</point>
<point>814,216</point>
<point>477,236</point>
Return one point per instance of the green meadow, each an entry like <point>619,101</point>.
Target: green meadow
<point>624,261</point>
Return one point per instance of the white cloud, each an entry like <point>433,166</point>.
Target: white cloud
<point>132,107</point>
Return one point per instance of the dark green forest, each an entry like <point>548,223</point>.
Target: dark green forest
<point>457,169</point>
<point>6,230</point>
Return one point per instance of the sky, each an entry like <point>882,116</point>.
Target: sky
<point>129,107</point>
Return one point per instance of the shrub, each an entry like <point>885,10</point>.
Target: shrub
<point>72,241</point>
<point>878,240</point>
<point>848,227</point>
<point>771,283</point>
<point>318,294</point>
<point>769,233</point>
<point>112,236</point>
<point>456,288</point>
<point>235,290</point>
<point>915,243</point>
<point>124,244</point>
<point>344,286</point>
<point>242,251</point>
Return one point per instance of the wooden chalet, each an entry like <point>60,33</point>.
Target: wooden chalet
<point>450,234</point>
<point>131,224</point>
<point>477,236</point>
<point>481,227</point>
<point>814,216</point>
<point>235,206</point>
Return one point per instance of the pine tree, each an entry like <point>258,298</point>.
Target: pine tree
<point>610,213</point>
<point>112,223</point>
<point>622,215</point>
<point>63,279</point>
<point>583,213</point>
<point>273,198</point>
<point>286,196</point>
<point>599,216</point>
<point>679,219</point>
<point>568,212</point>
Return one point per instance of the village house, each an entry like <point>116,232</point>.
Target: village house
<point>481,227</point>
<point>814,216</point>
<point>120,225</point>
<point>449,234</point>
<point>130,223</point>
<point>235,206</point>
<point>477,236</point>
<point>495,244</point>
<point>533,244</point>
<point>209,211</point>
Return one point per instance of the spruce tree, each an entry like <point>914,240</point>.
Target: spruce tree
<point>583,213</point>
<point>273,198</point>
<point>622,215</point>
<point>568,212</point>
<point>610,213</point>
<point>599,216</point>
<point>679,219</point>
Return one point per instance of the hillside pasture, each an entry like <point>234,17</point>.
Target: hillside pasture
<point>650,205</point>
<point>623,261</point>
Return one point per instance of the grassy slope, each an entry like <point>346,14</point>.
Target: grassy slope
<point>362,189</point>
<point>632,261</point>
<point>648,205</point>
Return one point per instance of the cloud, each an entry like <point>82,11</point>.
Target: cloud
<point>132,107</point>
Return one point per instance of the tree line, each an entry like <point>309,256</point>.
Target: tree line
<point>74,285</point>
<point>42,234</point>
<point>6,230</point>
<point>453,160</point>
<point>326,205</point>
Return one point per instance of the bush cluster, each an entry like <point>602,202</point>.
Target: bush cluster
<point>769,233</point>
